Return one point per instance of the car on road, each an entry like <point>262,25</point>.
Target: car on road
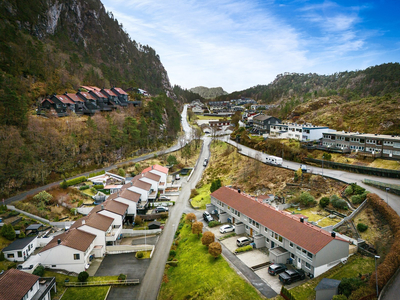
<point>161,209</point>
<point>177,177</point>
<point>290,276</point>
<point>276,269</point>
<point>207,217</point>
<point>205,162</point>
<point>226,228</point>
<point>243,241</point>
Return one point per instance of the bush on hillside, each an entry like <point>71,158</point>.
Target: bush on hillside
<point>361,227</point>
<point>307,200</point>
<point>338,203</point>
<point>83,276</point>
<point>324,202</point>
<point>39,271</point>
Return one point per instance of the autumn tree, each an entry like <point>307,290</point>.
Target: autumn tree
<point>207,238</point>
<point>191,218</point>
<point>215,185</point>
<point>215,249</point>
<point>197,228</point>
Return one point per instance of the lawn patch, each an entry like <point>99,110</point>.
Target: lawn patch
<point>203,197</point>
<point>84,293</point>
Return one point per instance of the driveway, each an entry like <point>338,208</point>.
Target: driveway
<point>128,264</point>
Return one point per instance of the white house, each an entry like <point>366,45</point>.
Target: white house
<point>287,237</point>
<point>17,285</point>
<point>107,179</point>
<point>69,251</point>
<point>140,187</point>
<point>153,179</point>
<point>301,132</point>
<point>100,226</point>
<point>161,171</point>
<point>130,198</point>
<point>20,249</point>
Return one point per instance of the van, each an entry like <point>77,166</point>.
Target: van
<point>243,241</point>
<point>205,162</point>
<point>274,160</point>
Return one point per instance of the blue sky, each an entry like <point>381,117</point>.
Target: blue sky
<point>239,44</point>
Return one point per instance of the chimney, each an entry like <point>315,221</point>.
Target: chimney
<point>301,220</point>
<point>131,183</point>
<point>59,241</point>
<point>239,191</point>
<point>83,222</point>
<point>152,167</point>
<point>102,207</point>
<point>333,234</point>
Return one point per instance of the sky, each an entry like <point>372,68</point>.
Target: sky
<point>238,44</point>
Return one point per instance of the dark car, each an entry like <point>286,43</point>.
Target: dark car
<point>276,269</point>
<point>290,276</point>
<point>161,209</point>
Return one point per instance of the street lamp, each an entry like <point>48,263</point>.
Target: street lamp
<point>387,190</point>
<point>322,166</point>
<point>376,275</point>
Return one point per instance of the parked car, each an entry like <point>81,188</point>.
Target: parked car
<point>276,269</point>
<point>164,198</point>
<point>290,276</point>
<point>205,162</point>
<point>161,209</point>
<point>243,241</point>
<point>207,217</point>
<point>226,228</point>
<point>177,177</point>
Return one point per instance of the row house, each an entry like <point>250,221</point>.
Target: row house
<point>365,144</point>
<point>219,123</point>
<point>287,237</point>
<point>300,132</point>
<point>262,123</point>
<point>160,171</point>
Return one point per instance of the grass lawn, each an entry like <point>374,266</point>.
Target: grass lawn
<point>355,265</point>
<point>203,197</point>
<point>201,117</point>
<point>88,192</point>
<point>84,293</point>
<point>200,276</point>
<point>316,214</point>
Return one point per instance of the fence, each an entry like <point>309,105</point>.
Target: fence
<point>394,188</point>
<point>351,215</point>
<point>102,283</point>
<point>357,169</point>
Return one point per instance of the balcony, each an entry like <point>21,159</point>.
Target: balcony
<point>113,234</point>
<point>45,285</point>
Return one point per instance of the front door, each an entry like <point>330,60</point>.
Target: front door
<point>251,231</point>
<point>298,263</point>
<point>272,244</point>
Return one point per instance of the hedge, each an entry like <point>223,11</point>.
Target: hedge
<point>392,260</point>
<point>75,181</point>
<point>244,249</point>
<point>98,186</point>
<point>96,174</point>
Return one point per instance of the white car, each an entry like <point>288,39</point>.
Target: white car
<point>177,177</point>
<point>226,228</point>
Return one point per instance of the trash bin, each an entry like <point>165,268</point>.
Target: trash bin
<point>289,261</point>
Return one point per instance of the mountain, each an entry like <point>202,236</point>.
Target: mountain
<point>208,93</point>
<point>51,46</point>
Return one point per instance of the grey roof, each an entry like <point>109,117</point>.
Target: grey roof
<point>327,284</point>
<point>19,244</point>
<point>33,227</point>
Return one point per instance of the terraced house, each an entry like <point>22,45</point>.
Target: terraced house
<point>287,237</point>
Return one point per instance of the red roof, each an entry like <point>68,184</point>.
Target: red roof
<point>73,238</point>
<point>90,88</point>
<point>156,167</point>
<point>64,99</point>
<point>98,94</point>
<point>47,100</point>
<point>86,95</point>
<point>119,91</point>
<point>74,97</point>
<point>305,235</point>
<point>15,284</point>
<point>108,92</point>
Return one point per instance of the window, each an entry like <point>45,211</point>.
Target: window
<point>304,251</point>
<point>11,255</point>
<point>291,244</point>
<point>309,255</point>
<point>267,240</point>
<point>276,236</point>
<point>298,248</point>
<point>308,266</point>
<point>76,256</point>
<point>265,229</point>
<point>291,255</point>
<point>19,253</point>
<point>53,266</point>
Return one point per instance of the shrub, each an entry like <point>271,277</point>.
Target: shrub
<point>83,276</point>
<point>357,190</point>
<point>172,253</point>
<point>349,190</point>
<point>39,271</point>
<point>193,193</point>
<point>361,227</point>
<point>84,187</point>
<point>94,174</point>
<point>121,172</point>
<point>327,156</point>
<point>171,160</point>
<point>8,232</point>
<point>338,203</point>
<point>2,257</point>
<point>139,254</point>
<point>191,218</point>
<point>215,249</point>
<point>357,199</point>
<point>215,185</point>
<point>306,199</point>
<point>324,202</point>
<point>207,238</point>
<point>74,181</point>
<point>64,184</point>
<point>244,248</point>
<point>121,277</point>
<point>339,297</point>
<point>197,228</point>
<point>98,186</point>
<point>138,220</point>
<point>213,224</point>
<point>43,196</point>
<point>347,285</point>
<point>21,235</point>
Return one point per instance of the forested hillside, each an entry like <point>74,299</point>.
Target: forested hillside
<point>186,95</point>
<point>49,46</point>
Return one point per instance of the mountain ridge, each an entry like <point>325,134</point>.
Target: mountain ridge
<point>208,93</point>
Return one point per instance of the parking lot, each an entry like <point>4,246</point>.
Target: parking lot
<point>252,259</point>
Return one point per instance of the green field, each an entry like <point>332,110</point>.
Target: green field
<point>203,197</point>
<point>201,276</point>
<point>84,293</point>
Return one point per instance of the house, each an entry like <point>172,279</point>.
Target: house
<point>115,210</point>
<point>64,101</point>
<point>287,238</point>
<point>130,198</point>
<point>90,102</point>
<point>301,132</point>
<point>112,98</point>
<point>79,103</point>
<point>141,187</point>
<point>197,110</point>
<point>219,123</point>
<point>47,104</point>
<point>326,289</point>
<point>69,251</point>
<point>154,225</point>
<point>101,100</point>
<point>122,95</point>
<point>364,144</point>
<point>108,179</point>
<point>20,249</point>
<point>34,229</point>
<point>154,180</point>
<point>99,225</point>
<point>17,285</point>
<point>262,123</point>
<point>162,172</point>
